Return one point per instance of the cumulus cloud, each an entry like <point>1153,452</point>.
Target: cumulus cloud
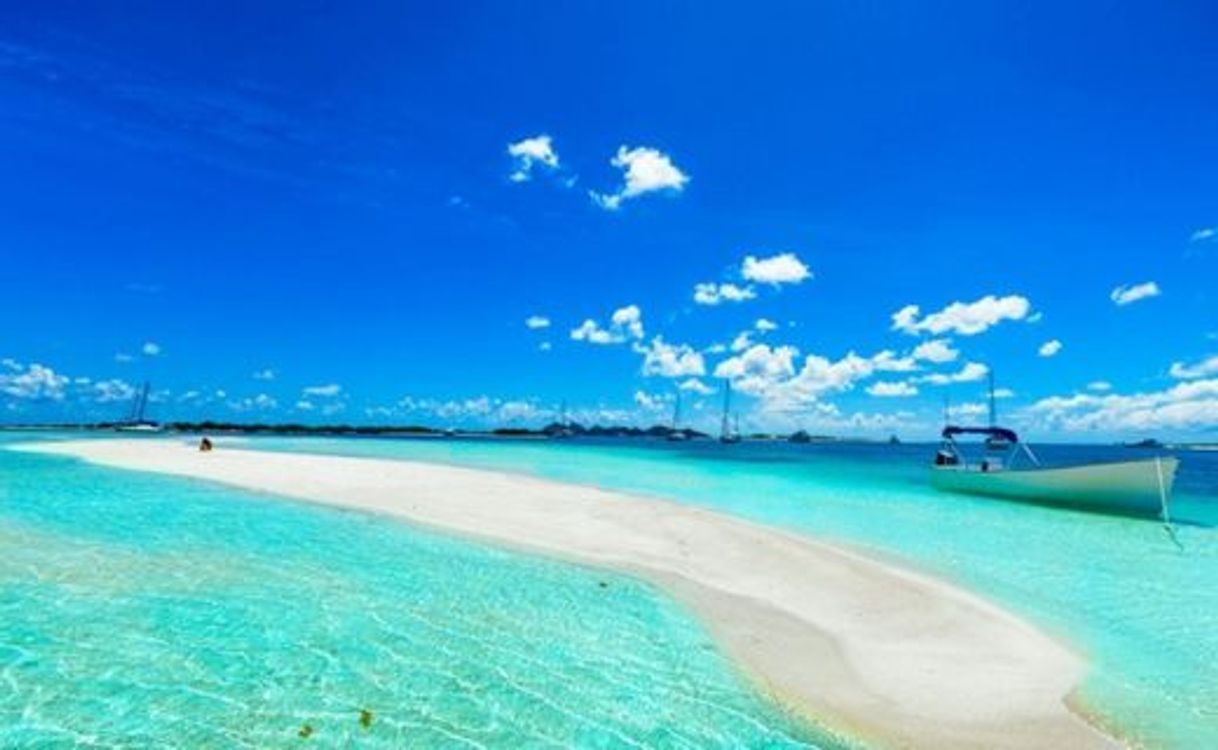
<point>771,374</point>
<point>765,325</point>
<point>970,372</point>
<point>1126,295</point>
<point>892,389</point>
<point>261,402</point>
<point>108,391</point>
<point>1099,385</point>
<point>648,401</point>
<point>1202,369</point>
<point>537,321</point>
<point>150,349</point>
<point>123,358</point>
<point>743,341</point>
<point>646,170</point>
<point>265,374</point>
<point>696,386</point>
<point>328,390</point>
<point>784,268</point>
<point>1191,405</point>
<point>710,293</point>
<point>1204,234</point>
<point>529,153</point>
<point>1049,348</point>
<point>34,382</point>
<point>670,360</point>
<point>963,318</point>
<point>938,351</point>
<point>625,324</point>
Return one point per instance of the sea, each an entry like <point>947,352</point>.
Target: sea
<point>139,610</point>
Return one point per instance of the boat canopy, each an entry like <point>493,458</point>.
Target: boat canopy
<point>1000,432</point>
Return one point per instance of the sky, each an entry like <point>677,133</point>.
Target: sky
<point>404,213</point>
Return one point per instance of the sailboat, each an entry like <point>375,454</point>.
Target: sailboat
<point>135,418</point>
<point>726,433</point>
<point>676,433</point>
<point>1140,488</point>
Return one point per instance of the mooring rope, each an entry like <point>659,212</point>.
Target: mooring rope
<point>1167,524</point>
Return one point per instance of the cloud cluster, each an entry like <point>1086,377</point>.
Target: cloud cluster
<point>670,360</point>
<point>625,324</point>
<point>1204,368</point>
<point>1127,295</point>
<point>645,170</point>
<point>1191,405</point>
<point>530,153</point>
<point>710,293</point>
<point>1049,348</point>
<point>962,318</point>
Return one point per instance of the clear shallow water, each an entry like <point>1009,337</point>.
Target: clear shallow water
<point>142,611</point>
<point>1144,612</point>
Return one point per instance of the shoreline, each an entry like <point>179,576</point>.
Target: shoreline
<point>863,648</point>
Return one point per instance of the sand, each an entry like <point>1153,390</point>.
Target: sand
<point>869,650</point>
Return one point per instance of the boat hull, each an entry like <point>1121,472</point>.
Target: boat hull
<point>1127,487</point>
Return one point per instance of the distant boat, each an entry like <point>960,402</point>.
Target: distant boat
<point>1139,488</point>
<point>675,433</point>
<point>726,432</point>
<point>135,418</point>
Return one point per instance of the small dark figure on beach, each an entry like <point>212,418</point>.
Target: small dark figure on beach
<point>205,445</point>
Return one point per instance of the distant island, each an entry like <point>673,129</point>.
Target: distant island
<point>554,430</point>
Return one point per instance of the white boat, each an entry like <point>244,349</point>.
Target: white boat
<point>1139,487</point>
<point>135,420</point>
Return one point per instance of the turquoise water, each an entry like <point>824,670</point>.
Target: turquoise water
<point>143,611</point>
<point>1144,612</point>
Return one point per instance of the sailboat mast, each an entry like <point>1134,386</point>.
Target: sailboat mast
<point>993,405</point>
<point>725,428</point>
<point>143,403</point>
<point>676,411</point>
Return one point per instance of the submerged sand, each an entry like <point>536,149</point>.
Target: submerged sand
<point>869,650</point>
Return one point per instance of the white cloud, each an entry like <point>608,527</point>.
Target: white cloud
<point>1049,348</point>
<point>266,374</point>
<point>1125,295</point>
<point>1191,405</point>
<point>970,372</point>
<point>769,373</point>
<point>107,391</point>
<point>537,321</point>
<point>963,318</point>
<point>647,170</point>
<point>530,152</point>
<point>1099,385</point>
<point>261,402</point>
<point>710,293</point>
<point>123,358</point>
<point>1206,233</point>
<point>626,323</point>
<point>670,360</point>
<point>648,401</point>
<point>545,346</point>
<point>938,351</point>
<point>304,405</point>
<point>328,390</point>
<point>35,382</point>
<point>784,268</point>
<point>150,349</point>
<point>765,325</point>
<point>696,386</point>
<point>1202,369</point>
<point>1004,393</point>
<point>891,389</point>
<point>743,341</point>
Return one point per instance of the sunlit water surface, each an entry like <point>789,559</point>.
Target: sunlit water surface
<point>1145,612</point>
<point>145,611</point>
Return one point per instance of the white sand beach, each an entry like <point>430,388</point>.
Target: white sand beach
<point>889,656</point>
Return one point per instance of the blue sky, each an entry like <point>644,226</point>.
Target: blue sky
<point>334,214</point>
